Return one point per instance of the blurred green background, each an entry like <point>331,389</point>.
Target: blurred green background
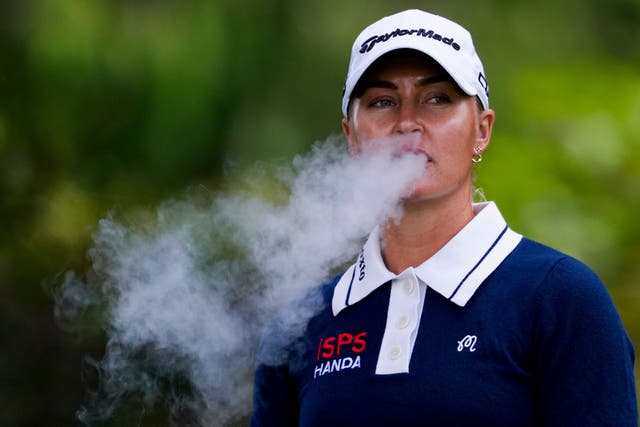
<point>121,104</point>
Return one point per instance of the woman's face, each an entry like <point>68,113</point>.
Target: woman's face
<point>410,95</point>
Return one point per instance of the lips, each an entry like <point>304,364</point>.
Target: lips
<point>398,146</point>
<point>411,150</point>
<point>414,150</point>
<point>408,144</point>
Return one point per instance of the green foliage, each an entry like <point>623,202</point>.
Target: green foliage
<point>119,105</point>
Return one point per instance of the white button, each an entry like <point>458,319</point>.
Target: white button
<point>395,353</point>
<point>408,286</point>
<point>403,322</point>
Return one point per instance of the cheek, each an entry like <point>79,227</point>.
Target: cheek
<point>459,134</point>
<point>366,126</point>
<point>366,130</point>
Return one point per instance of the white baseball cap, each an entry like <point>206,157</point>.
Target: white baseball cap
<point>448,43</point>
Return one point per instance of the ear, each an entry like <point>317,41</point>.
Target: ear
<point>349,133</point>
<point>485,126</point>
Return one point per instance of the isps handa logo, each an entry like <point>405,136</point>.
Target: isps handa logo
<point>339,353</point>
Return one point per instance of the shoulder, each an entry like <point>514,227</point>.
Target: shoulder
<point>569,297</point>
<point>559,284</point>
<point>551,270</point>
<point>565,275</point>
<point>536,254</point>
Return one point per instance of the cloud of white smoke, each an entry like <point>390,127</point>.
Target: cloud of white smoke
<point>185,296</point>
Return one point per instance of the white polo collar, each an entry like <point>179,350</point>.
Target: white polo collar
<point>455,271</point>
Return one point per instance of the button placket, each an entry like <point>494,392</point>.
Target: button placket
<point>403,322</point>
<point>395,353</point>
<point>395,350</point>
<point>408,286</point>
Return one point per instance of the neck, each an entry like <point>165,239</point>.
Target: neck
<point>424,228</point>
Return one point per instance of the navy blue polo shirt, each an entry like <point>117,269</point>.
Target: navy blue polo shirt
<point>493,330</point>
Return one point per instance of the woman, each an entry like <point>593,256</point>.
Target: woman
<point>448,317</point>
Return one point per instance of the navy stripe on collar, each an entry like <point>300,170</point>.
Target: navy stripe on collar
<point>504,230</point>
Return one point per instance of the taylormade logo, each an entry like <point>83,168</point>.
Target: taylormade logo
<point>373,40</point>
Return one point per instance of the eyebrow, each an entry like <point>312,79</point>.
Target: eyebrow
<point>385,84</point>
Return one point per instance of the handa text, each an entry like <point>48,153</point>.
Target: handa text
<point>344,351</point>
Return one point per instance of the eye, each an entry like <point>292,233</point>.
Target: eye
<point>437,99</point>
<point>382,103</point>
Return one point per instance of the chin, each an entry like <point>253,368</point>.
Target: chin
<point>414,198</point>
<point>418,191</point>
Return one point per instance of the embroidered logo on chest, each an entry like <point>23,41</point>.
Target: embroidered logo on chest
<point>468,342</point>
<point>338,353</point>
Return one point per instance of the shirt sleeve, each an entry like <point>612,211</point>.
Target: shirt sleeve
<point>585,358</point>
<point>275,402</point>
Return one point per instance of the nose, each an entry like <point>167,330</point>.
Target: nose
<point>408,120</point>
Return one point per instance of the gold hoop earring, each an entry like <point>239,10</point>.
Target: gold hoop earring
<point>477,158</point>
